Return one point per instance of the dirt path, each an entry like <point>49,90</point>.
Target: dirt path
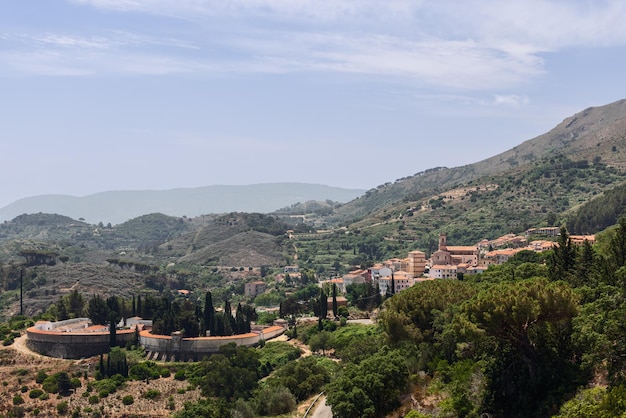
<point>19,344</point>
<point>296,343</point>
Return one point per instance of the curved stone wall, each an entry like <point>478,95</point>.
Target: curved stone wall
<point>176,348</point>
<point>73,345</point>
<point>74,339</point>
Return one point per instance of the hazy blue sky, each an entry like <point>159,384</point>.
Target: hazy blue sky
<point>100,95</point>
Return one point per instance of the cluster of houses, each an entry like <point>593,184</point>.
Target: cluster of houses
<point>450,262</point>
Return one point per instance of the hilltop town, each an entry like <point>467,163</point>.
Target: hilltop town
<point>451,261</point>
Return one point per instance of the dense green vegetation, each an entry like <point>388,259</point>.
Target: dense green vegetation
<point>508,344</point>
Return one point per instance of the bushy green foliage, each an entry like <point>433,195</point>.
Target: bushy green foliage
<point>230,374</point>
<point>40,377</point>
<point>207,408</point>
<point>57,383</point>
<point>371,388</point>
<point>62,407</point>
<point>275,354</point>
<point>109,385</point>
<point>35,393</point>
<point>152,394</point>
<point>273,401</point>
<point>600,212</point>
<point>303,377</point>
<point>147,370</point>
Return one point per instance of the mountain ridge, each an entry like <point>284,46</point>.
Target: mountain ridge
<point>585,135</point>
<point>119,206</point>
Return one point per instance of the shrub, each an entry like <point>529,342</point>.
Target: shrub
<point>18,400</point>
<point>50,384</point>
<point>128,400</point>
<point>24,389</point>
<point>94,399</point>
<point>44,396</point>
<point>152,394</point>
<point>35,393</point>
<point>180,375</point>
<point>75,383</point>
<point>62,407</point>
<point>40,377</point>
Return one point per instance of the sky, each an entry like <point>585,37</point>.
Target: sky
<point>100,95</point>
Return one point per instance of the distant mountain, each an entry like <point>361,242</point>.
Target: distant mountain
<point>116,207</point>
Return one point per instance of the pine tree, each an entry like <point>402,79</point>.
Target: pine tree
<point>618,245</point>
<point>563,259</point>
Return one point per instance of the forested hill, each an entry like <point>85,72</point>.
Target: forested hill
<point>595,135</point>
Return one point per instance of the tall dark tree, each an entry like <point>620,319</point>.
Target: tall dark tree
<point>22,292</point>
<point>618,246</point>
<point>209,314</point>
<point>113,304</point>
<point>240,326</point>
<point>563,258</point>
<point>112,330</point>
<point>229,320</point>
<point>323,309</point>
<point>335,307</point>
<point>76,303</point>
<point>62,314</point>
<point>134,306</point>
<point>98,310</point>
<point>187,320</point>
<point>140,311</point>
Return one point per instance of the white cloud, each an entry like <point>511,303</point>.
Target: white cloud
<point>275,9</point>
<point>470,45</point>
<point>510,99</point>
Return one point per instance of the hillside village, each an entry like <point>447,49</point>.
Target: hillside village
<point>448,262</point>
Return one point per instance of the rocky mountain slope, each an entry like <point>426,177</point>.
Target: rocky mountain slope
<point>596,135</point>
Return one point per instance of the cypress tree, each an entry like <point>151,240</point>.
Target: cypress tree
<point>335,307</point>
<point>101,366</point>
<point>139,307</point>
<point>134,307</point>
<point>112,330</point>
<point>209,314</point>
<point>323,308</point>
<point>240,326</point>
<point>393,284</point>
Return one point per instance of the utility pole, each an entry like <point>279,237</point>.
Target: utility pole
<point>21,292</point>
